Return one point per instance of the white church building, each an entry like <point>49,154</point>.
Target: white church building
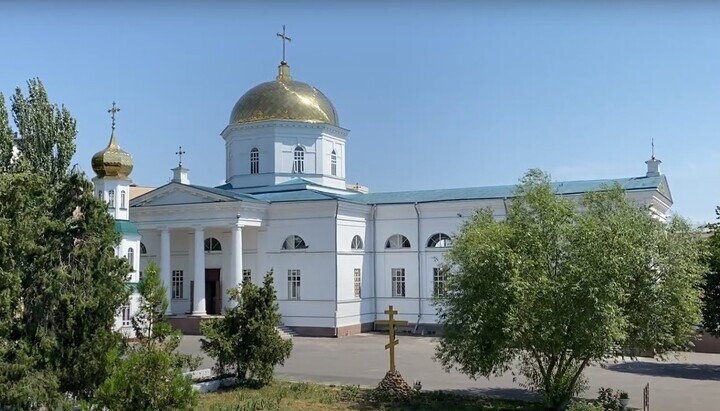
<point>339,254</point>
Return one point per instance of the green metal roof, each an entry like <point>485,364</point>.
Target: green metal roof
<point>126,227</point>
<point>302,190</point>
<point>506,191</point>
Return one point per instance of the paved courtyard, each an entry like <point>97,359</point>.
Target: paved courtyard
<point>691,382</point>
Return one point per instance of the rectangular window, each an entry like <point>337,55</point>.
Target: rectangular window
<point>140,276</point>
<point>398,282</point>
<point>254,161</point>
<point>125,312</point>
<point>333,163</point>
<point>247,276</point>
<point>293,284</point>
<point>357,282</point>
<point>439,279</point>
<point>177,284</point>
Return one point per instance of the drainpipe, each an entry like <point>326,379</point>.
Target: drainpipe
<point>417,323</point>
<point>337,206</point>
<point>374,262</point>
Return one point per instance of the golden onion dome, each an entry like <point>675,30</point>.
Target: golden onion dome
<point>284,99</point>
<point>112,161</point>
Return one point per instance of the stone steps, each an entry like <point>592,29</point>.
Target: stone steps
<point>286,332</point>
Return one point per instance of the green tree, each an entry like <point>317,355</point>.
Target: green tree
<point>6,138</point>
<point>61,281</point>
<point>711,295</point>
<point>150,375</point>
<point>246,341</point>
<point>47,132</point>
<point>555,289</point>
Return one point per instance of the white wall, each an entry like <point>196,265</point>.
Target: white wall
<point>105,186</point>
<point>276,142</point>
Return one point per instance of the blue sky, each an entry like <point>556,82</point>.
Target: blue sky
<point>435,95</point>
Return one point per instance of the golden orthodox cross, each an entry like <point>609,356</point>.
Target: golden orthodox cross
<point>112,112</point>
<point>391,322</point>
<point>284,37</point>
<point>180,153</point>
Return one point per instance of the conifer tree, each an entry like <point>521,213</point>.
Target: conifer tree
<point>246,342</point>
<point>150,375</point>
<point>60,279</point>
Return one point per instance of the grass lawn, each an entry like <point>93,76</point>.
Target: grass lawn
<point>286,396</point>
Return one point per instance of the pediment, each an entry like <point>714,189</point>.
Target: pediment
<point>664,189</point>
<point>177,194</point>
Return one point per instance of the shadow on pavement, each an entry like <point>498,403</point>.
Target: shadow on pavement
<point>672,370</point>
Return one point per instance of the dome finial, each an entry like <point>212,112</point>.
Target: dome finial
<point>283,68</point>
<point>284,38</point>
<point>112,161</point>
<point>112,112</point>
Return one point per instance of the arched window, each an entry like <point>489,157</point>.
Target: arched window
<point>100,194</point>
<point>356,243</point>
<point>122,199</point>
<point>299,160</point>
<point>131,258</point>
<point>212,245</point>
<point>333,163</point>
<point>254,161</point>
<point>397,241</point>
<point>439,240</point>
<point>143,250</point>
<point>294,242</point>
<point>111,198</point>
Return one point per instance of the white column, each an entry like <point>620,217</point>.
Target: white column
<point>165,268</point>
<point>199,294</point>
<point>237,259</point>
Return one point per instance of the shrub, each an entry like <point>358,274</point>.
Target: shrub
<point>150,375</point>
<point>584,406</point>
<point>246,341</point>
<point>609,399</point>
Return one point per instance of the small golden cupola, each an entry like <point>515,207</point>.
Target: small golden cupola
<point>113,161</point>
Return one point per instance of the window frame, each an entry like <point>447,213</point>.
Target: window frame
<point>397,282</point>
<point>294,283</point>
<point>299,160</point>
<point>246,275</point>
<point>254,161</point>
<point>357,243</point>
<point>178,285</point>
<point>357,283</point>
<point>397,242</point>
<point>294,242</point>
<point>111,198</point>
<point>125,317</point>
<point>131,258</point>
<point>439,240</point>
<point>333,163</point>
<point>122,200</point>
<point>210,247</point>
<point>439,282</point>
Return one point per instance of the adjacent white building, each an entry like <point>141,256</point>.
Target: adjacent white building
<point>339,254</point>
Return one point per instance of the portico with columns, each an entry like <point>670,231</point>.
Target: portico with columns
<point>200,256</point>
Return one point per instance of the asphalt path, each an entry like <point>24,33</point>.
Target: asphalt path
<point>689,382</point>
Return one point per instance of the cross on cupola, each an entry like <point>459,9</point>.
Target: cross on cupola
<point>284,38</point>
<point>114,109</point>
<point>180,153</point>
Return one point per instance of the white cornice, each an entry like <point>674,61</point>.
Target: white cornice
<point>334,130</point>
